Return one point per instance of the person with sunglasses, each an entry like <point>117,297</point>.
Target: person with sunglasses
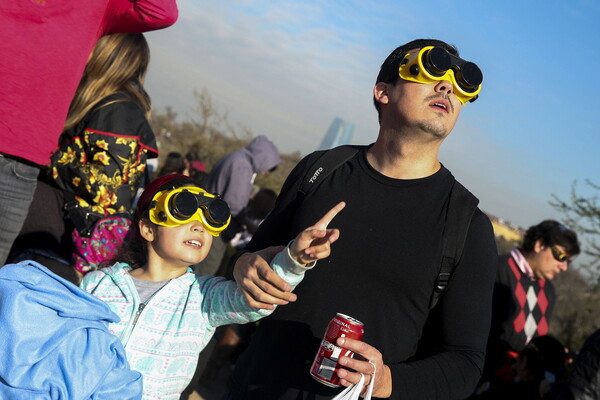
<point>384,268</point>
<point>524,295</point>
<point>167,313</point>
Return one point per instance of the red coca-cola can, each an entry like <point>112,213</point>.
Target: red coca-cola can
<point>325,365</point>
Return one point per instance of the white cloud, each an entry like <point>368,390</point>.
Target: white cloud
<point>287,84</point>
<point>285,69</point>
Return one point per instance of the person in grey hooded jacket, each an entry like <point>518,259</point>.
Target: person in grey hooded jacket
<point>232,177</point>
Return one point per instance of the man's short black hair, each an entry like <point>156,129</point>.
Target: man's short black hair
<point>551,233</point>
<point>389,71</point>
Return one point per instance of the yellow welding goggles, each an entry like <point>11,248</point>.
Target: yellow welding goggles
<point>434,63</point>
<point>179,206</point>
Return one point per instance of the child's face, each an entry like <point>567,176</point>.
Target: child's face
<point>181,245</point>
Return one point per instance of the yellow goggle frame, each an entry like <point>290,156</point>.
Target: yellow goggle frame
<point>559,255</point>
<point>413,68</point>
<point>185,204</point>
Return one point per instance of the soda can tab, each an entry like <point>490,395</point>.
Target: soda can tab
<point>325,364</point>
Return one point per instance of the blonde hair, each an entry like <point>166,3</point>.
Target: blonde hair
<point>118,63</point>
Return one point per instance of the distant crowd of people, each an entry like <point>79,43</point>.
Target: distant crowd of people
<point>120,273</point>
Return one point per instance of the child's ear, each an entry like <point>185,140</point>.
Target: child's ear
<point>147,230</point>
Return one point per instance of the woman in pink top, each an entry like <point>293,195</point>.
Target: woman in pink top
<point>44,47</point>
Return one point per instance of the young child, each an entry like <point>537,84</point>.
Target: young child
<point>167,313</point>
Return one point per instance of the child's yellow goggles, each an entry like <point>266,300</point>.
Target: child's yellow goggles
<point>434,63</point>
<point>179,206</point>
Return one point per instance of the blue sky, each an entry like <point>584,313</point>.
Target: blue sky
<point>287,68</point>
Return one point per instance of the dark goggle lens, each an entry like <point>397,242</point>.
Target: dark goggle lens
<point>469,77</point>
<point>218,212</point>
<point>183,205</point>
<point>559,255</point>
<point>437,61</point>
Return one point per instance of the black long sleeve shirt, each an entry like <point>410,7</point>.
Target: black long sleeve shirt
<point>382,272</point>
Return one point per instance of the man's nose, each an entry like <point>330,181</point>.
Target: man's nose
<point>444,86</point>
<point>563,266</point>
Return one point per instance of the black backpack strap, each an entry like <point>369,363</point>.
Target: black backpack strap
<point>324,165</point>
<point>461,207</point>
<point>328,162</point>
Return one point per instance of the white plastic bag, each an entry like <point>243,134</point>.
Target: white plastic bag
<point>353,392</point>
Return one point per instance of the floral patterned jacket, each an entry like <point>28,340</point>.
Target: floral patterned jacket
<point>102,159</point>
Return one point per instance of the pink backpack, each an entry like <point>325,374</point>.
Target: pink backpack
<point>102,243</point>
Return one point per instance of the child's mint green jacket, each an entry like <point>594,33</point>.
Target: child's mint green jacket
<point>163,338</point>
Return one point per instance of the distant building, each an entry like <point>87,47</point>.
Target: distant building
<point>340,132</point>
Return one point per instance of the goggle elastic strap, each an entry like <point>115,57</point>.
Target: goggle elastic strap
<point>432,64</point>
<point>179,206</point>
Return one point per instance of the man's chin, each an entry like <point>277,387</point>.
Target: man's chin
<point>549,277</point>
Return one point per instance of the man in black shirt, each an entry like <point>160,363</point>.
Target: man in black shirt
<point>383,268</point>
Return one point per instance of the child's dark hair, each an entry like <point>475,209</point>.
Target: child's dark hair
<point>262,203</point>
<point>134,250</point>
<point>173,164</point>
<point>544,353</point>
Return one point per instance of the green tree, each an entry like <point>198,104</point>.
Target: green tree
<point>210,134</point>
<point>582,214</point>
<point>207,132</point>
<point>576,314</point>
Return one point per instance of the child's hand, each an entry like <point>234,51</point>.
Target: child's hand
<point>314,243</point>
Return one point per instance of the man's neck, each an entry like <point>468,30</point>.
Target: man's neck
<point>401,158</point>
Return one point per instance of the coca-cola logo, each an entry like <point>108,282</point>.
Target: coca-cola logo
<point>327,345</point>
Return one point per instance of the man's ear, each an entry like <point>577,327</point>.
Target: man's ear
<point>380,92</point>
<point>147,229</point>
<point>538,246</point>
